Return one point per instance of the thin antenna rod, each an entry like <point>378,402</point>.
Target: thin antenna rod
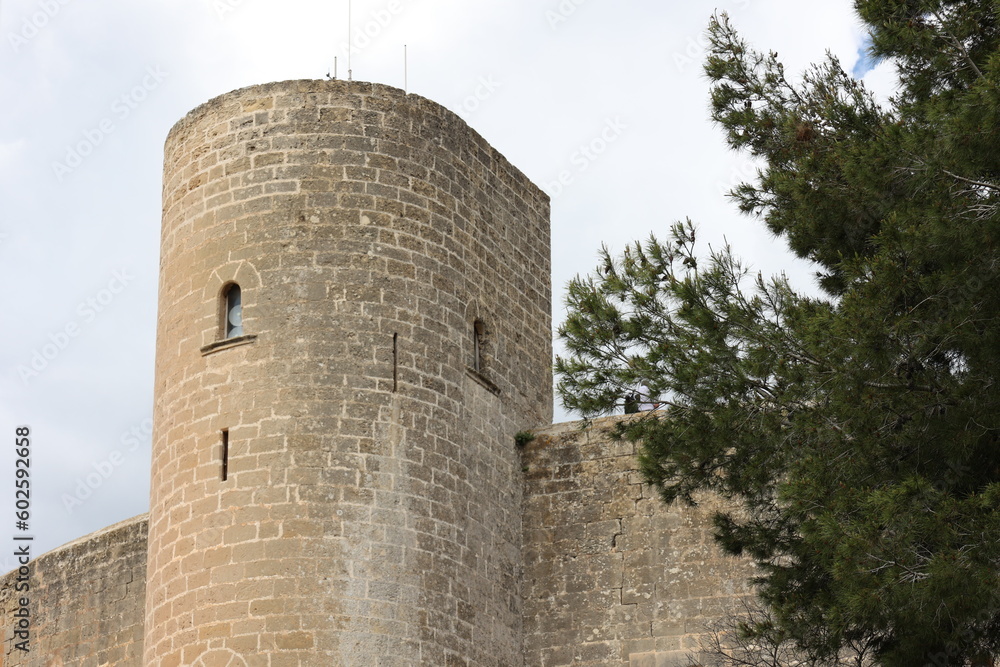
<point>335,67</point>
<point>350,76</point>
<point>406,77</point>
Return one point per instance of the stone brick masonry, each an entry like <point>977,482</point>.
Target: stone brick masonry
<point>370,514</point>
<point>338,484</point>
<point>86,602</point>
<point>613,577</point>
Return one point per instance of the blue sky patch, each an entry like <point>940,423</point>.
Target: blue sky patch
<point>866,62</point>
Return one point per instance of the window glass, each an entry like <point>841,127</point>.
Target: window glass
<point>234,312</point>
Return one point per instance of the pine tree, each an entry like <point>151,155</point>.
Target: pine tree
<point>857,433</point>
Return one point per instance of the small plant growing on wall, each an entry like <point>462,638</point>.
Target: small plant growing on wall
<point>522,438</point>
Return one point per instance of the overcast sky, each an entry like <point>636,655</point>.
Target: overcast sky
<point>92,87</point>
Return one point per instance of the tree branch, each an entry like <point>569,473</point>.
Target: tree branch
<point>961,47</point>
<point>970,181</point>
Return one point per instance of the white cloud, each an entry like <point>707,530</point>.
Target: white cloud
<point>882,80</point>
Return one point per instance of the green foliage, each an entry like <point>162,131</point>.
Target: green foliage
<point>522,438</point>
<point>857,434</point>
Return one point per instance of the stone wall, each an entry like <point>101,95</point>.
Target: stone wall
<point>86,602</point>
<point>613,577</point>
<point>369,514</point>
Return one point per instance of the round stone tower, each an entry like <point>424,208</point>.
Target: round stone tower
<point>354,321</point>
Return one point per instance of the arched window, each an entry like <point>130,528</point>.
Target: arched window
<point>229,317</point>
<point>232,302</point>
<point>478,346</point>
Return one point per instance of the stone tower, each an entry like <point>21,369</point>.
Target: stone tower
<point>354,321</point>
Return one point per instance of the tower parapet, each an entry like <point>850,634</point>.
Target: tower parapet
<point>354,321</point>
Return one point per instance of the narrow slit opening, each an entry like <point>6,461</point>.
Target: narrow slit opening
<point>395,362</point>
<point>225,454</point>
<point>478,346</point>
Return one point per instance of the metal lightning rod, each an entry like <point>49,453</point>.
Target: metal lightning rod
<point>350,74</point>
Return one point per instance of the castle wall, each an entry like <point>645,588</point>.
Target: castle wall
<point>613,577</point>
<point>370,513</point>
<point>339,485</point>
<point>86,602</point>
